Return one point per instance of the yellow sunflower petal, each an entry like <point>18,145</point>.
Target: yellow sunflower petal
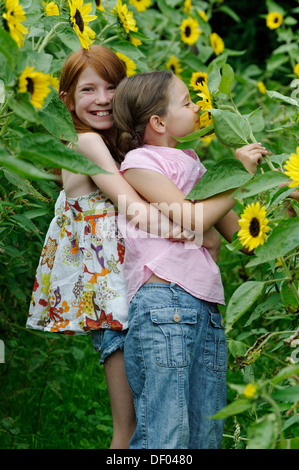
<point>292,168</point>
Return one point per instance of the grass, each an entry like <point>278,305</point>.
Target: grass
<point>53,393</point>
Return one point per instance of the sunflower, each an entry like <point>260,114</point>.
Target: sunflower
<point>292,167</point>
<point>80,18</point>
<point>206,103</point>
<point>274,20</point>
<point>36,83</point>
<point>130,65</point>
<point>140,5</point>
<point>254,226</point>
<point>14,17</point>
<point>126,17</point>
<point>197,78</point>
<point>174,65</point>
<point>296,69</point>
<point>216,43</point>
<point>51,9</point>
<point>261,88</point>
<point>189,31</point>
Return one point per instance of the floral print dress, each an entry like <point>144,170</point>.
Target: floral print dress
<point>79,284</point>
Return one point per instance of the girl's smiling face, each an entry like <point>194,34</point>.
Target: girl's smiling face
<point>93,100</point>
<point>182,116</point>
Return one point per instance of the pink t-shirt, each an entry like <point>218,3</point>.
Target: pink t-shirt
<point>192,269</point>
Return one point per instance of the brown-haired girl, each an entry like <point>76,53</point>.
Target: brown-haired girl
<point>175,349</point>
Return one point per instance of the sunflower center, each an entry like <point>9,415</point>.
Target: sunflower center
<point>79,21</point>
<point>30,85</point>
<point>200,81</point>
<point>187,31</point>
<point>254,227</point>
<point>276,19</point>
<point>98,3</point>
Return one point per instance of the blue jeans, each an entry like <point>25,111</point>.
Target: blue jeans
<point>176,361</point>
<point>106,341</point>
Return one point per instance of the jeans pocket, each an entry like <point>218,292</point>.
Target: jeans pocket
<point>174,328</point>
<point>215,352</point>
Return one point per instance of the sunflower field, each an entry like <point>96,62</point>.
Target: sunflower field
<point>240,61</point>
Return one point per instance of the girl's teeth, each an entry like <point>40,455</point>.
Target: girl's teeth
<point>102,113</point>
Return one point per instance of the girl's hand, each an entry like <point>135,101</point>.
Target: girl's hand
<point>250,155</point>
<point>179,234</point>
<point>210,240</point>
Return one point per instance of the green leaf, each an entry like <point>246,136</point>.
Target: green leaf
<point>224,175</point>
<point>287,294</point>
<point>197,134</point>
<point>128,49</point>
<point>227,79</point>
<point>8,47</point>
<point>279,96</point>
<point>242,300</point>
<point>264,433</point>
<point>24,169</point>
<point>281,240</point>
<point>46,150</point>
<point>173,15</point>
<point>276,61</point>
<point>214,77</point>
<point>285,373</point>
<point>261,183</point>
<point>233,408</point>
<point>23,108</point>
<point>57,120</point>
<point>290,394</point>
<point>230,13</point>
<point>231,129</point>
<point>68,37</point>
<point>237,348</point>
<point>25,223</point>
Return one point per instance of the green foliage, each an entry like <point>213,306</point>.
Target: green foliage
<point>53,392</point>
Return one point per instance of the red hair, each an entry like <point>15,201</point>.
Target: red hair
<point>108,66</point>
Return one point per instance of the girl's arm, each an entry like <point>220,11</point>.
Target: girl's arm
<point>120,191</point>
<point>199,216</point>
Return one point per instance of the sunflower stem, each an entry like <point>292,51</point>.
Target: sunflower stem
<point>49,36</point>
<point>161,60</point>
<point>109,39</point>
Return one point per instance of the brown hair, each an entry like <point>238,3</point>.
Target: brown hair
<point>109,67</point>
<point>136,99</point>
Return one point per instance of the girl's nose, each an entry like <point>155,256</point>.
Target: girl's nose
<point>196,108</point>
<point>102,97</point>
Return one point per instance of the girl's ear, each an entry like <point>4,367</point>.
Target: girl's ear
<point>62,96</point>
<point>157,124</point>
